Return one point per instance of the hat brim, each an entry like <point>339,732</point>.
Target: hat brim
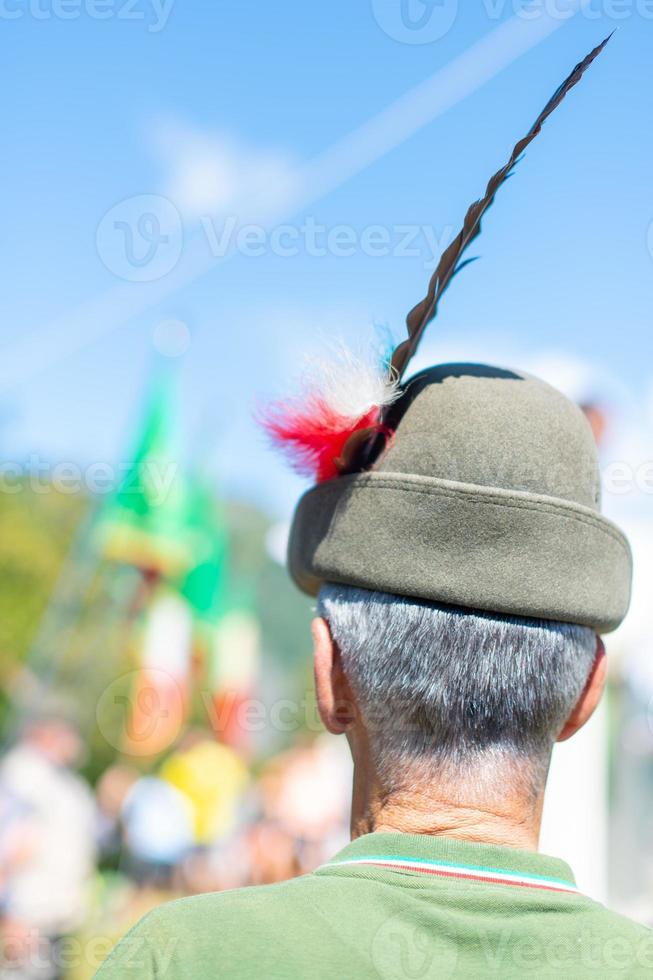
<point>509,552</point>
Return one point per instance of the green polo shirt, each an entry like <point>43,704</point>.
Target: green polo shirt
<point>394,907</point>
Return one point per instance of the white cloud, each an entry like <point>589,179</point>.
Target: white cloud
<point>208,173</point>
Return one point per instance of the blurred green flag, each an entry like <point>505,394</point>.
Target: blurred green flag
<point>145,524</point>
<point>204,585</point>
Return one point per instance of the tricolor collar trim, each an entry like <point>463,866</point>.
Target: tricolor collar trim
<point>449,869</point>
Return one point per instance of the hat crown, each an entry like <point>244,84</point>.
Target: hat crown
<point>486,497</point>
<point>485,426</point>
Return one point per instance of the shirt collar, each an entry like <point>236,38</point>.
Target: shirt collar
<point>444,857</point>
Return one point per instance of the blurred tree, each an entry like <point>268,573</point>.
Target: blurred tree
<point>36,533</point>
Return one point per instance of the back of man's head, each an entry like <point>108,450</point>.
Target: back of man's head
<point>443,691</point>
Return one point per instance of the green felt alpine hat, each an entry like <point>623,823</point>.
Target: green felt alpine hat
<point>487,496</point>
<point>484,491</point>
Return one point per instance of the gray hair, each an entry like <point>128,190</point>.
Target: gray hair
<point>451,688</point>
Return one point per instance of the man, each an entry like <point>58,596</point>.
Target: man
<point>463,574</point>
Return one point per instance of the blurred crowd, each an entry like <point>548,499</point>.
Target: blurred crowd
<point>79,864</point>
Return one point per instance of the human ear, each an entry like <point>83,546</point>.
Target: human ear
<point>332,691</point>
<point>590,697</point>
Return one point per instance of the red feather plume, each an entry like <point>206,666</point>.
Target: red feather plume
<point>339,406</point>
<point>313,437</point>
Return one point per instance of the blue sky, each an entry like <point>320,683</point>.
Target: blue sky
<point>217,108</point>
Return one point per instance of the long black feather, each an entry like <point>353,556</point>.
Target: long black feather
<point>451,261</point>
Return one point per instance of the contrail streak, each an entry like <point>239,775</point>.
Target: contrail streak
<point>94,318</point>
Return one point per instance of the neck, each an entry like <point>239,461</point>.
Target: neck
<point>507,818</point>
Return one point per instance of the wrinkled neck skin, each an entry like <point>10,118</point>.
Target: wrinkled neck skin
<point>508,816</point>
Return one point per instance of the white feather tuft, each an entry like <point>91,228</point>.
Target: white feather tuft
<point>350,384</point>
